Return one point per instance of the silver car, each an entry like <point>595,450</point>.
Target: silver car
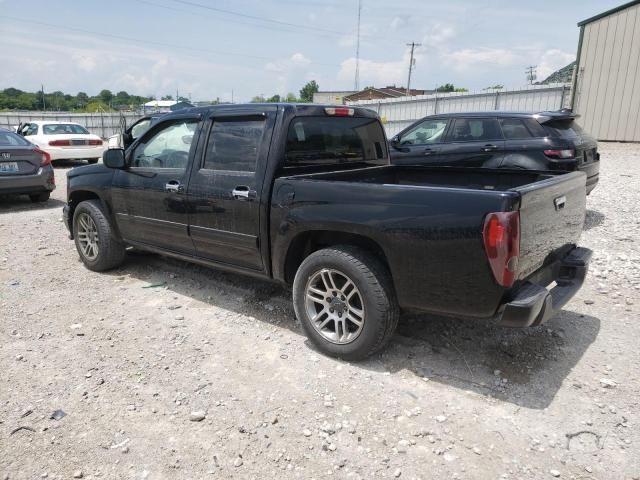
<point>24,168</point>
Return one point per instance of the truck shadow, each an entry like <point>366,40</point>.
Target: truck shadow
<point>593,219</point>
<point>21,203</point>
<point>525,367</point>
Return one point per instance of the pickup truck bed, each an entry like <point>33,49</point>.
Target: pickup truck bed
<point>305,195</point>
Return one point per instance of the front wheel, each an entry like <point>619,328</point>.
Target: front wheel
<point>344,299</point>
<point>96,243</point>
<point>92,160</point>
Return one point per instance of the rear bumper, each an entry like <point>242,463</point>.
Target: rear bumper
<point>76,153</point>
<point>42,181</point>
<point>532,304</point>
<point>592,181</point>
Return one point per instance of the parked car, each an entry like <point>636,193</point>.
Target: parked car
<point>532,141</point>
<point>24,168</point>
<point>305,195</point>
<point>64,140</point>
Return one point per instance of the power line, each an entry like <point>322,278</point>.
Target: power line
<point>240,22</point>
<point>150,42</point>
<point>531,73</point>
<point>413,45</point>
<point>255,17</point>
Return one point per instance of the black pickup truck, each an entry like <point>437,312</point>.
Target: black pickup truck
<point>305,195</point>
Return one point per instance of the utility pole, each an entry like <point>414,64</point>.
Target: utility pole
<point>357,79</point>
<point>531,73</point>
<point>44,105</point>
<point>413,45</point>
<point>232,95</point>
<point>176,94</point>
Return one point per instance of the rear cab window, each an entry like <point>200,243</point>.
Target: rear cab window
<point>234,143</point>
<point>316,140</point>
<point>514,129</point>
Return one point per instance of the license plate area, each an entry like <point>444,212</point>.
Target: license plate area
<point>77,143</point>
<point>9,167</point>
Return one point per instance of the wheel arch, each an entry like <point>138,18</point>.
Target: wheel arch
<point>78,196</point>
<point>305,243</point>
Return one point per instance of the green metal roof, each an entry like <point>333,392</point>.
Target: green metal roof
<point>609,12</point>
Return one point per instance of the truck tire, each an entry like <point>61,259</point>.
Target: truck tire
<point>97,246</point>
<point>344,299</point>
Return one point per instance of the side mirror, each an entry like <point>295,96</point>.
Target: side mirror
<point>114,158</point>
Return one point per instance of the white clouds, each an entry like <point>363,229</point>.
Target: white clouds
<point>297,60</point>
<point>552,60</point>
<point>467,59</point>
<point>437,34</point>
<point>399,22</point>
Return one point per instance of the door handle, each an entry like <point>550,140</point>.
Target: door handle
<point>174,186</point>
<point>427,151</point>
<point>243,193</point>
<point>489,147</point>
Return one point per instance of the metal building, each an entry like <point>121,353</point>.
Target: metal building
<point>606,83</point>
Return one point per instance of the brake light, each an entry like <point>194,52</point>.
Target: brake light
<point>553,153</point>
<point>45,158</point>
<point>59,143</point>
<point>95,142</point>
<point>501,235</point>
<point>339,111</point>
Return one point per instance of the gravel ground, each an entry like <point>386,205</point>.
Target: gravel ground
<point>168,370</point>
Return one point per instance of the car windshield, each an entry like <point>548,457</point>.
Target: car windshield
<point>8,139</point>
<point>328,140</point>
<point>64,129</point>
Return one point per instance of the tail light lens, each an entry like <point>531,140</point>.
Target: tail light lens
<point>45,157</point>
<point>95,142</point>
<point>501,235</point>
<point>560,154</point>
<point>59,143</point>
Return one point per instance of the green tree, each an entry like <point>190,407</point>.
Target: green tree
<point>167,97</point>
<point>106,97</point>
<point>291,98</point>
<point>258,99</point>
<point>495,87</point>
<point>306,92</point>
<point>447,87</point>
<point>274,99</point>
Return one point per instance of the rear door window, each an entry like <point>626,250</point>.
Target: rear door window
<point>234,143</point>
<point>8,139</point>
<point>474,130</point>
<point>330,140</point>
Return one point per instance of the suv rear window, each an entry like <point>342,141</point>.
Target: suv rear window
<point>330,140</point>
<point>565,128</point>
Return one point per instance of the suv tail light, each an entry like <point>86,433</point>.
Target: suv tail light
<point>553,153</point>
<point>45,157</point>
<point>59,143</point>
<point>501,235</point>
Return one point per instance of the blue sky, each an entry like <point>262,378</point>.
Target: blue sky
<point>267,47</point>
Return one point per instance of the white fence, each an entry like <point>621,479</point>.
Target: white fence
<point>399,113</point>
<point>102,124</point>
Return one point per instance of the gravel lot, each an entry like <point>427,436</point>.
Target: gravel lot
<point>168,370</point>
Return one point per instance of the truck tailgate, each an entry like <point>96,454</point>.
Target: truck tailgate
<point>552,215</point>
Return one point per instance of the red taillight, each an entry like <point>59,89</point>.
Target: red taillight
<point>59,143</point>
<point>339,111</point>
<point>501,234</point>
<point>95,142</point>
<point>45,157</point>
<point>554,153</point>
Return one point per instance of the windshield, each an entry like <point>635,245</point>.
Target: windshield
<point>64,129</point>
<point>8,139</point>
<point>329,140</point>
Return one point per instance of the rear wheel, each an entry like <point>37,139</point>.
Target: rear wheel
<point>39,197</point>
<point>96,243</point>
<point>344,299</point>
<point>93,160</point>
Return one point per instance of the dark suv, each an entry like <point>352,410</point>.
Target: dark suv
<point>532,141</point>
